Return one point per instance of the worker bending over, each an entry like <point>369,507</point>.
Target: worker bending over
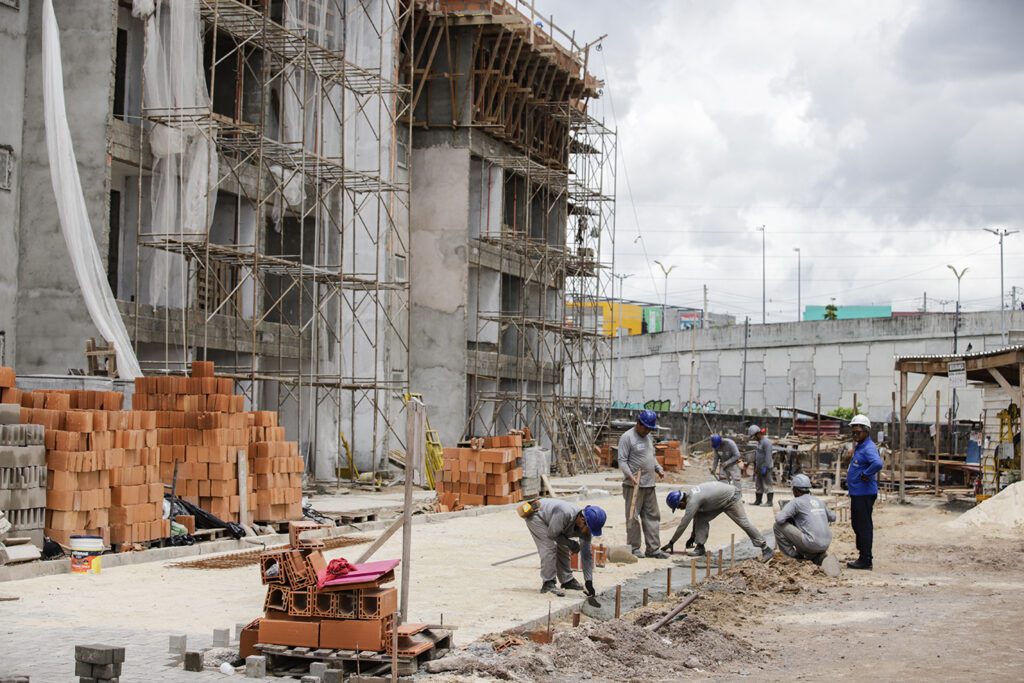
<point>702,504</point>
<point>641,468</point>
<point>725,464</point>
<point>801,527</point>
<point>764,474</point>
<point>554,524</point>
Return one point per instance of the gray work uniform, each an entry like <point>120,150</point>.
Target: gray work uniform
<point>801,528</point>
<point>763,459</point>
<point>725,465</point>
<point>707,501</point>
<point>636,455</point>
<point>551,527</point>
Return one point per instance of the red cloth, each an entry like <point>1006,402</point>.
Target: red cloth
<point>339,567</point>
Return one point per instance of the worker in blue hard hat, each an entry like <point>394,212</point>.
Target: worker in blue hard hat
<point>701,505</point>
<point>725,463</point>
<point>641,470</point>
<point>555,525</point>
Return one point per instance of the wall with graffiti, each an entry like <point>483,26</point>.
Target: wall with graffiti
<point>662,405</point>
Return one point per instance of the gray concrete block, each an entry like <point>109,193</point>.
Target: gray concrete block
<point>310,679</point>
<point>13,679</point>
<point>178,645</point>
<point>317,669</point>
<point>99,654</point>
<point>238,630</point>
<point>255,666</point>
<point>221,637</point>
<point>333,676</point>
<point>106,671</point>
<point>193,661</point>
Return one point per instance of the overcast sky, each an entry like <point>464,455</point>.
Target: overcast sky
<point>878,137</point>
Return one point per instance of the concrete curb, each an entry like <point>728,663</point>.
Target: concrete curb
<point>32,570</point>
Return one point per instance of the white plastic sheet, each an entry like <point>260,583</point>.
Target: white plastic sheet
<point>74,217</point>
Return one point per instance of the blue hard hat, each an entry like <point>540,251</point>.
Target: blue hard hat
<point>674,500</point>
<point>595,518</point>
<point>716,440</point>
<point>648,418</point>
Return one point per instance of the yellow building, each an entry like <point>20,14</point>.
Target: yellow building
<point>610,314</point>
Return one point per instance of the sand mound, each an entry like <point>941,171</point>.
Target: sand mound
<point>1003,510</point>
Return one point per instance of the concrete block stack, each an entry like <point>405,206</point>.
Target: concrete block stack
<point>669,455</point>
<point>22,473</point>
<point>487,475</point>
<point>277,467</point>
<point>298,614</point>
<point>98,663</point>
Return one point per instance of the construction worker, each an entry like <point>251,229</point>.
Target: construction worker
<point>764,474</point>
<point>702,504</point>
<point>801,527</point>
<point>725,463</point>
<point>640,467</point>
<point>862,487</point>
<point>554,524</point>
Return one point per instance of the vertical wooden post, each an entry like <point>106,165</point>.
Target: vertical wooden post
<point>693,572</point>
<point>903,435</point>
<point>415,434</point>
<point>618,601</point>
<point>668,582</point>
<point>647,596</point>
<point>938,431</point>
<point>732,551</point>
<point>707,564</point>
<point>817,445</point>
<point>793,411</point>
<point>575,619</point>
<point>720,553</point>
<point>892,446</point>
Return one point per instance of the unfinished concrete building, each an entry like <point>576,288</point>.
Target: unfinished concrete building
<point>513,188</point>
<point>246,170</point>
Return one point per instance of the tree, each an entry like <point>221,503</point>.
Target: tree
<point>845,413</point>
<point>831,312</point>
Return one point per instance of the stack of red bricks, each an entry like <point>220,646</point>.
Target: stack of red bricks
<point>298,614</point>
<point>485,475</point>
<point>277,467</point>
<point>606,456</point>
<point>669,456</point>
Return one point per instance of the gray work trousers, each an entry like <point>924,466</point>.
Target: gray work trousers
<point>734,510</point>
<point>646,515</point>
<point>730,474</point>
<point>790,540</point>
<point>764,484</point>
<point>554,558</point>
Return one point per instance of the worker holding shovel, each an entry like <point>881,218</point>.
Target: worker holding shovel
<point>554,525</point>
<point>725,464</point>
<point>640,467</point>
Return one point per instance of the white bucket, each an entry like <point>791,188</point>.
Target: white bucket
<point>85,554</point>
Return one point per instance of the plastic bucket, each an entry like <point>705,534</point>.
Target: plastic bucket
<point>85,554</point>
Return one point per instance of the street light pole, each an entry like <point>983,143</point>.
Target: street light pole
<point>956,330</point>
<point>799,308</point>
<point>617,332</point>
<point>764,299</point>
<point>1000,233</point>
<point>664,300</point>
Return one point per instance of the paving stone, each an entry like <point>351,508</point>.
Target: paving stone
<point>13,679</point>
<point>333,676</point>
<point>193,661</point>
<point>99,654</point>
<point>310,679</point>
<point>178,645</point>
<point>106,671</point>
<point>221,637</point>
<point>317,669</point>
<point>255,666</point>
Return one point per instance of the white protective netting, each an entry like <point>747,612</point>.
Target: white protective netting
<point>74,216</point>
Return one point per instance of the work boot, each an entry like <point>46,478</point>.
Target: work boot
<point>830,565</point>
<point>657,554</point>
<point>638,553</point>
<point>572,585</point>
<point>552,587</point>
<point>861,563</point>
<point>698,551</point>
<point>766,553</point>
<point>770,497</point>
<point>757,499</point>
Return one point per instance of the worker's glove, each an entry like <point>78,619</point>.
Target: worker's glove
<point>573,546</point>
<point>865,478</point>
<point>589,592</point>
<point>690,542</point>
<point>668,548</point>
<point>764,471</point>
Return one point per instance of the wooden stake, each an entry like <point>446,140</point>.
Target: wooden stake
<point>693,572</point>
<point>938,430</point>
<point>618,601</point>
<point>720,551</point>
<point>575,619</point>
<point>668,582</point>
<point>707,564</point>
<point>647,596</point>
<point>732,551</point>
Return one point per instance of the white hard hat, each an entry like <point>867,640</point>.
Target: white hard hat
<point>861,420</point>
<point>753,429</point>
<point>801,481</point>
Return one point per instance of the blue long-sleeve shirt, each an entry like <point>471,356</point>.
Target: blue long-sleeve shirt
<point>865,462</point>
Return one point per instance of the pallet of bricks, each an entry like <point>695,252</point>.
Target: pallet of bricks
<point>487,473</point>
<point>102,476</point>
<point>22,466</point>
<point>669,456</point>
<point>203,428</point>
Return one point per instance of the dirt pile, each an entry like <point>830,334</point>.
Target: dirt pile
<point>1005,510</point>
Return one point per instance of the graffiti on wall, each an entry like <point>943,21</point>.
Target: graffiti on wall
<point>665,406</point>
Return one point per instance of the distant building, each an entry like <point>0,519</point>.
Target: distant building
<point>634,317</point>
<point>848,312</point>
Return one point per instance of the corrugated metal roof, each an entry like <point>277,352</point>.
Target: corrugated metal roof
<point>961,356</point>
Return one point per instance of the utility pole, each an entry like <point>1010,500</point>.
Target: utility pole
<point>924,308</point>
<point>799,309</point>
<point>664,300</point>
<point>746,337</point>
<point>1000,233</point>
<point>704,315</point>
<point>617,332</point>
<point>764,299</point>
<point>956,331</point>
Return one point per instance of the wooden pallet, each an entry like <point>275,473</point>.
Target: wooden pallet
<point>357,516</point>
<point>283,659</point>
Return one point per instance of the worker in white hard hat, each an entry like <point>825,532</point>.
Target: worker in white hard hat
<point>801,527</point>
<point>764,473</point>
<point>862,487</point>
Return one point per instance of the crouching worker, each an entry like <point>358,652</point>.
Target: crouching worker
<point>554,525</point>
<point>702,504</point>
<point>801,527</point>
